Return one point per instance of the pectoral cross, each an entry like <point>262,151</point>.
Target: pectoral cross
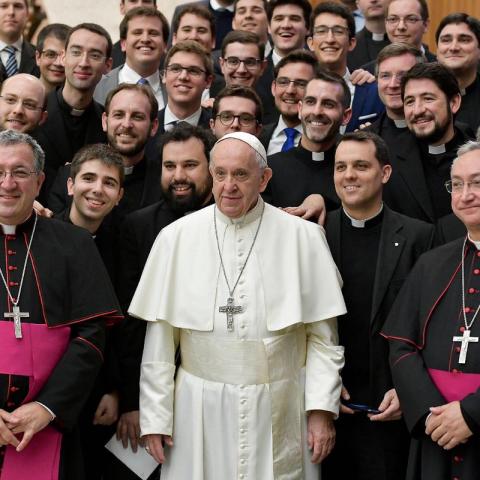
<point>17,315</point>
<point>230,309</point>
<point>465,339</point>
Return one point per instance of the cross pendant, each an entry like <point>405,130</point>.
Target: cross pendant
<point>17,315</point>
<point>465,339</point>
<point>230,309</point>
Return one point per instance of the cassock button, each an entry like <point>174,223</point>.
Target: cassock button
<point>11,267</point>
<point>457,349</point>
<point>456,371</point>
<point>471,290</point>
<point>10,404</point>
<point>14,389</point>
<point>457,459</point>
<point>467,309</point>
<point>12,284</point>
<point>462,329</point>
<point>478,254</point>
<point>476,271</point>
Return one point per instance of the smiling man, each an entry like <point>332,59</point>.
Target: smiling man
<point>234,392</point>
<point>144,33</point>
<point>50,360</point>
<point>50,48</point>
<point>22,103</point>
<point>308,168</point>
<point>361,235</point>
<point>433,339</point>
<point>421,163</point>
<point>458,48</point>
<point>74,118</point>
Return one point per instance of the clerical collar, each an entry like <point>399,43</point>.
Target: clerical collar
<point>128,170</point>
<point>362,223</point>
<point>75,112</point>
<point>249,217</point>
<point>378,37</point>
<point>475,242</point>
<point>463,91</point>
<point>8,229</point>
<point>318,156</point>
<point>400,123</point>
<point>437,149</point>
<point>217,7</point>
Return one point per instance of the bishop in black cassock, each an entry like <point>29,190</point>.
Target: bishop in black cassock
<point>434,342</point>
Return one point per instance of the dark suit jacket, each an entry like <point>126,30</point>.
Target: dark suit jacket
<point>28,63</point>
<point>402,241</point>
<point>449,228</point>
<point>266,134</point>
<point>53,138</point>
<point>151,149</point>
<point>138,234</point>
<point>365,102</point>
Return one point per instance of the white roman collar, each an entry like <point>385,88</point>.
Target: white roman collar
<point>318,156</point>
<point>400,123</point>
<point>436,149</point>
<point>361,223</point>
<point>378,37</point>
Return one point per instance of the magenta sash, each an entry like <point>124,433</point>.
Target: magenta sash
<point>455,385</point>
<point>35,356</point>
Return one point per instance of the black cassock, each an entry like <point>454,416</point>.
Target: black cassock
<point>427,314</point>
<point>66,292</point>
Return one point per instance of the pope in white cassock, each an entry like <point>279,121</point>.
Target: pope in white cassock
<point>251,295</point>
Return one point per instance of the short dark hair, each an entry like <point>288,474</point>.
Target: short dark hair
<point>265,6</point>
<point>97,151</point>
<point>437,73</point>
<point>455,18</point>
<point>334,9</point>
<point>94,28</point>
<point>303,4</point>
<point>56,30</point>
<point>381,149</point>
<point>191,46</point>
<point>297,56</point>
<point>183,131</point>
<point>331,77</point>
<point>144,12</point>
<point>154,2</point>
<point>243,92</point>
<point>243,37</point>
<point>145,90</point>
<point>424,13</point>
<point>396,50</point>
<point>197,10</point>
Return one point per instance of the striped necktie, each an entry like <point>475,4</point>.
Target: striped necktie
<point>11,67</point>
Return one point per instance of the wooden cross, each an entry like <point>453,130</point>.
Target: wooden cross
<point>465,339</point>
<point>230,309</point>
<point>17,315</point>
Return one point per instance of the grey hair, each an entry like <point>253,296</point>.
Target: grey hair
<point>12,137</point>
<point>262,162</point>
<point>470,146</point>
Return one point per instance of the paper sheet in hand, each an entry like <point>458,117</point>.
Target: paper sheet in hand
<point>140,463</point>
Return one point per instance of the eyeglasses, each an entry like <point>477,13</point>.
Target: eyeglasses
<point>249,63</point>
<point>244,119</point>
<point>50,54</point>
<point>18,174</point>
<point>457,186</point>
<point>177,69</point>
<point>27,104</point>
<point>337,31</point>
<point>285,82</point>
<point>408,20</point>
<point>91,54</point>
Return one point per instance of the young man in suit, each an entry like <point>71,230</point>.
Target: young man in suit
<point>332,37</point>
<point>374,249</point>
<point>16,54</point>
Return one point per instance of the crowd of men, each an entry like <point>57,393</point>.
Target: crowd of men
<point>169,304</point>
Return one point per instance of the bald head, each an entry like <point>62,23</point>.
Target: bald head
<point>22,105</point>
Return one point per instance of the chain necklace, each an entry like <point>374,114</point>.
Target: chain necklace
<point>466,339</point>
<point>230,309</point>
<point>16,314</point>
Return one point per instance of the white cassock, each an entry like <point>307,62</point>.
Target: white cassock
<point>236,408</point>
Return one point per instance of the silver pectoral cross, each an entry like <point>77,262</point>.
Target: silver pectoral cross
<point>17,315</point>
<point>230,309</point>
<point>465,339</point>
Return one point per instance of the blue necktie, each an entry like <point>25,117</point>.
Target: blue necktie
<point>143,81</point>
<point>11,67</point>
<point>289,143</point>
